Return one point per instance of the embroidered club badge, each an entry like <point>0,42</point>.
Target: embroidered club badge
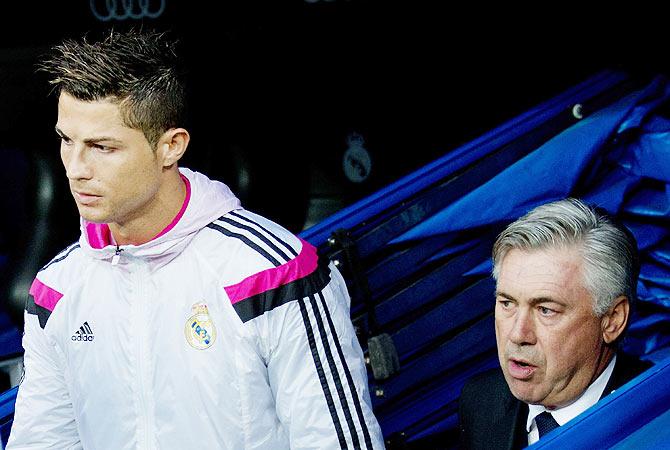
<point>200,331</point>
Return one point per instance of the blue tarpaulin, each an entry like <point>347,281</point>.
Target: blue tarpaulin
<point>556,169</point>
<point>425,241</point>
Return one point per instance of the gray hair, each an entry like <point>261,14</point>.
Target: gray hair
<point>608,248</point>
<point>137,70</point>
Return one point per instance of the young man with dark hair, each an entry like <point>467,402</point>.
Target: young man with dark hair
<point>178,320</point>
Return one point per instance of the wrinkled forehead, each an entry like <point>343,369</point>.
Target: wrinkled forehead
<point>553,269</point>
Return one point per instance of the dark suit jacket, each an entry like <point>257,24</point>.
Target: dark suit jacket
<point>492,418</point>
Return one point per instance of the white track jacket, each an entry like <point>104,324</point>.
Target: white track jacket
<point>223,332</point>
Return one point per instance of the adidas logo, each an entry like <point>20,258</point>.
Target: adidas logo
<point>84,333</point>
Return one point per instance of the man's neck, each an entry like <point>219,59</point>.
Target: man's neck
<point>607,353</point>
<point>564,414</point>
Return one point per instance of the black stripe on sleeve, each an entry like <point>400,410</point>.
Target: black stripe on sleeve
<point>259,304</point>
<point>335,373</point>
<point>258,234</point>
<point>42,313</point>
<point>276,238</point>
<point>347,372</point>
<point>247,241</point>
<point>321,374</point>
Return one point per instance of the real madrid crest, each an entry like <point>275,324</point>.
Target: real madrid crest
<point>200,331</point>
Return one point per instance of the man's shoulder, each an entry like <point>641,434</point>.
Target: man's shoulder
<point>487,380</point>
<point>631,365</point>
<point>251,236</point>
<point>260,264</point>
<point>489,415</point>
<point>241,243</point>
<point>68,255</point>
<point>487,387</point>
<point>61,268</point>
<point>52,282</point>
<point>626,368</point>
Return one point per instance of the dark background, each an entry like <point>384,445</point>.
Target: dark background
<point>277,87</point>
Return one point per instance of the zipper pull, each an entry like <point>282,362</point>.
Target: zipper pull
<point>117,256</point>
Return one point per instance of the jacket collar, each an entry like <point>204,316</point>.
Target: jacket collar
<point>206,200</point>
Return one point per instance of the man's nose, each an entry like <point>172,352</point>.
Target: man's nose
<point>523,328</point>
<point>77,166</point>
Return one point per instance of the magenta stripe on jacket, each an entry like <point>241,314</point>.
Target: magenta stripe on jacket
<point>44,296</point>
<point>299,267</point>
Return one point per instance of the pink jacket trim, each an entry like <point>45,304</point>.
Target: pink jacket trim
<point>44,296</point>
<point>302,265</point>
<point>181,211</point>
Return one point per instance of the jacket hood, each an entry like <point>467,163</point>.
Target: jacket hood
<point>206,200</point>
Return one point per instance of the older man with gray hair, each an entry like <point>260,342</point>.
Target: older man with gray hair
<point>566,276</point>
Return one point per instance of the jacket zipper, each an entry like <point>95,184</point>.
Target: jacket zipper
<point>146,410</point>
<point>117,255</point>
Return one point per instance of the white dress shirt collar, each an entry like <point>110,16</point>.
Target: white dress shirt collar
<point>563,415</point>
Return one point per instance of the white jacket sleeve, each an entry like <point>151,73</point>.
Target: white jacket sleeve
<point>44,417</point>
<point>317,372</point>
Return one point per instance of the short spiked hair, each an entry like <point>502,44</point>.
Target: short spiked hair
<point>138,70</point>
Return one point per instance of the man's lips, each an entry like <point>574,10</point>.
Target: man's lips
<point>85,198</point>
<point>520,369</point>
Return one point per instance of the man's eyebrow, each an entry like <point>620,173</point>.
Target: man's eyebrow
<point>93,140</point>
<point>507,296</point>
<point>540,300</point>
<point>533,301</point>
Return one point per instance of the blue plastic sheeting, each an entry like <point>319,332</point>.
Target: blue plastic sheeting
<point>7,401</point>
<point>457,159</point>
<point>617,158</point>
<point>430,403</point>
<point>654,435</point>
<point>636,416</point>
<point>550,173</point>
<point>425,241</point>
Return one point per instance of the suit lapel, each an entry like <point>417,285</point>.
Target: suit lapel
<point>513,423</point>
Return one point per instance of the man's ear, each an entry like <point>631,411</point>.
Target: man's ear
<point>172,145</point>
<point>614,321</point>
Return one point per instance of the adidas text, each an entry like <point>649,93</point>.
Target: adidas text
<point>84,333</point>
